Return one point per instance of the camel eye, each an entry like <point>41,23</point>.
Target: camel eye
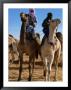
<point>52,20</point>
<point>26,15</point>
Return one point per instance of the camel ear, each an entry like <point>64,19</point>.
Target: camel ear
<point>21,14</point>
<point>58,20</point>
<point>26,15</point>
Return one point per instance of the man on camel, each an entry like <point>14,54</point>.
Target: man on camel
<point>31,24</point>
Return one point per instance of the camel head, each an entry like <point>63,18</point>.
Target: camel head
<point>54,23</point>
<point>53,27</point>
<point>24,17</point>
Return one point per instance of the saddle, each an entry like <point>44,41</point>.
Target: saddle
<point>29,36</point>
<point>35,38</point>
<point>51,43</point>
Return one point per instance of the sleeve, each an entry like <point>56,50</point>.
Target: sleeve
<point>43,24</point>
<point>35,20</point>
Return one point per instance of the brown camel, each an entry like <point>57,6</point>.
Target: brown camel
<point>60,37</point>
<point>51,49</point>
<point>27,45</point>
<point>12,44</point>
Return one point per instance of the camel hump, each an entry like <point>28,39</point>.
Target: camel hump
<point>60,37</point>
<point>37,38</point>
<point>38,35</point>
<point>10,35</point>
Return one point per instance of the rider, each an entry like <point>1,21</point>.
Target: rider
<point>31,23</point>
<point>46,23</point>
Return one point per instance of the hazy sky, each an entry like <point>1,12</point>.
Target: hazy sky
<point>14,22</point>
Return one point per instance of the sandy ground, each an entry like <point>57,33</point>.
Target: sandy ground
<point>37,73</point>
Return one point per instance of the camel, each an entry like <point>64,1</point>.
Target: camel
<point>50,50</point>
<point>28,46</point>
<point>12,44</point>
<point>60,37</point>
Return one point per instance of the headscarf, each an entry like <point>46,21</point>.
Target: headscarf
<point>32,12</point>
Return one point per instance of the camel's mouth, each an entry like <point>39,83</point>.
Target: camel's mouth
<point>23,17</point>
<point>58,21</point>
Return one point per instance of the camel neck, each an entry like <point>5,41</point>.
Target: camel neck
<point>22,32</point>
<point>51,35</point>
<point>23,27</point>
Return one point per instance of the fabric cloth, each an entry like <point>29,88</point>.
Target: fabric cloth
<point>46,32</point>
<point>31,23</point>
<point>45,25</point>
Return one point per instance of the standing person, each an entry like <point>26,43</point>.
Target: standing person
<point>46,23</point>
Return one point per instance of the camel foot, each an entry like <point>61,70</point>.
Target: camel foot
<point>16,62</point>
<point>11,61</point>
<point>44,73</point>
<point>29,79</point>
<point>55,79</point>
<point>19,79</point>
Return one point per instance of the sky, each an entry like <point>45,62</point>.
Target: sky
<point>14,21</point>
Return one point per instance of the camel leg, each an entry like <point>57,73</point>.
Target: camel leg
<point>30,68</point>
<point>49,64</point>
<point>56,69</point>
<point>13,58</point>
<point>44,73</point>
<point>20,68</point>
<point>33,62</point>
<point>57,56</point>
<point>33,65</point>
<point>48,71</point>
<point>10,59</point>
<point>45,69</point>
